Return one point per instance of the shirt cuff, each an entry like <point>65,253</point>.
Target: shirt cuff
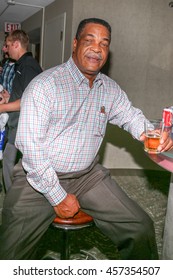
<point>55,195</point>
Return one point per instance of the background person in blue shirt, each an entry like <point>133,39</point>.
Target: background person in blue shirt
<point>7,71</point>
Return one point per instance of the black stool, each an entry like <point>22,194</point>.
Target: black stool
<point>79,221</point>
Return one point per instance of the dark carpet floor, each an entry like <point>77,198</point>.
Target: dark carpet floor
<point>149,188</point>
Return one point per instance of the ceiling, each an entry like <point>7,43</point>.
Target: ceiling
<point>18,11</point>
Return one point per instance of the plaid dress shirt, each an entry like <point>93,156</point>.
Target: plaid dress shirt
<point>63,122</point>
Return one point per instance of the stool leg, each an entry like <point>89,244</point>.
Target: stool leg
<point>65,248</point>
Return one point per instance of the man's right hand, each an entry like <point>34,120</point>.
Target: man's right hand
<point>2,99</point>
<point>68,207</point>
<point>6,95</point>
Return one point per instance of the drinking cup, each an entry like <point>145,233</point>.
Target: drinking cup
<point>153,133</point>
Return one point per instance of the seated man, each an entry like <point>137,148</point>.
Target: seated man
<point>64,113</point>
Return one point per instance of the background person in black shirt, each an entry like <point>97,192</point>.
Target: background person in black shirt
<point>26,68</point>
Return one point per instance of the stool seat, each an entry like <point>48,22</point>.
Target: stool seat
<point>79,221</point>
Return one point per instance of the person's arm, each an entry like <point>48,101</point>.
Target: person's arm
<point>10,107</point>
<point>124,114</point>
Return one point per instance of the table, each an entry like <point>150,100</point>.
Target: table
<point>165,160</point>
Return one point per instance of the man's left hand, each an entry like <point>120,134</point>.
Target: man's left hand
<point>166,142</point>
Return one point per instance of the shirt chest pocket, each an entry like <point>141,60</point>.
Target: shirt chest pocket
<point>101,123</point>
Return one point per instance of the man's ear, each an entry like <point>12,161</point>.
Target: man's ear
<point>74,44</point>
<point>16,44</point>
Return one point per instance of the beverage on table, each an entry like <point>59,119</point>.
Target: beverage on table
<point>153,132</point>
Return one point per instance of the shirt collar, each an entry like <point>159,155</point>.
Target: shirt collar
<point>20,60</point>
<point>79,77</point>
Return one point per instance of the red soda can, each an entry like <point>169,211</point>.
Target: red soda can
<point>167,117</point>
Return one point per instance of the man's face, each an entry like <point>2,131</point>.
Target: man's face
<point>11,48</point>
<point>4,48</point>
<point>91,50</point>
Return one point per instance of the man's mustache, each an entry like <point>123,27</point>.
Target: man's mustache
<point>97,56</point>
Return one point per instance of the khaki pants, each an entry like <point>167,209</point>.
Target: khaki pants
<point>27,214</point>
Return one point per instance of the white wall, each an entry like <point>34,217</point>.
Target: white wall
<point>58,7</point>
<point>141,63</point>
